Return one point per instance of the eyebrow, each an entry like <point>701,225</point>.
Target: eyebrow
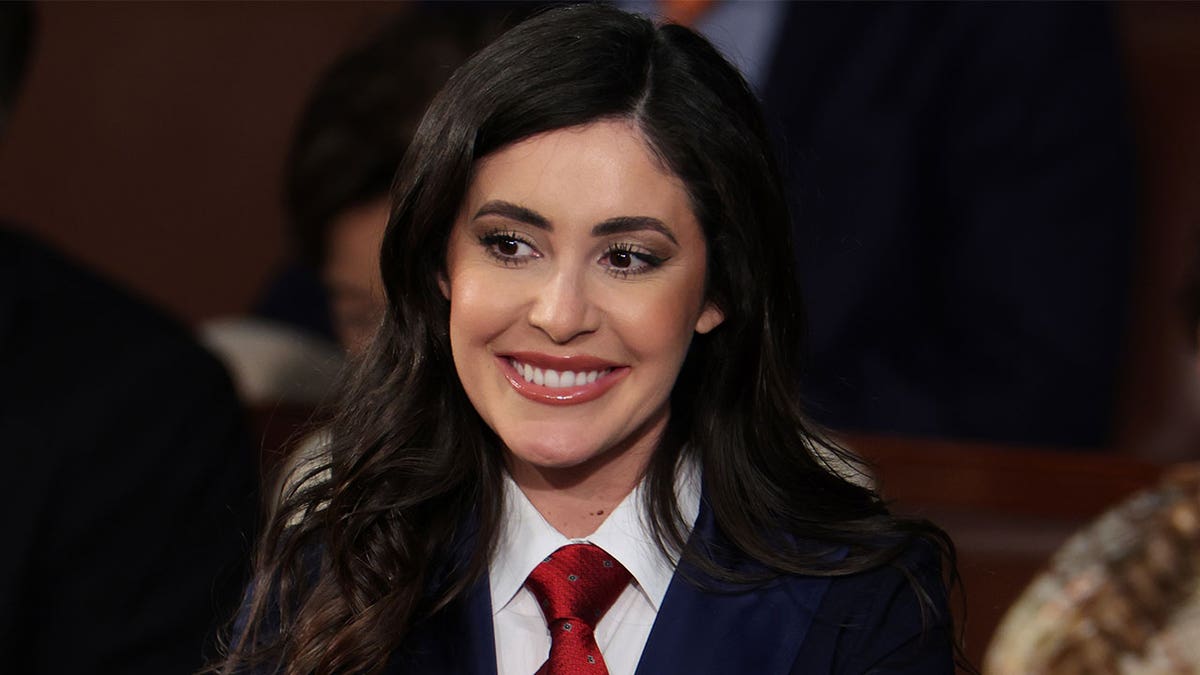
<point>616,225</point>
<point>512,211</point>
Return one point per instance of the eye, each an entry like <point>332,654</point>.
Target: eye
<point>624,260</point>
<point>508,247</point>
<point>621,260</point>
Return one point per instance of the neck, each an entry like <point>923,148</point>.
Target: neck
<point>576,514</point>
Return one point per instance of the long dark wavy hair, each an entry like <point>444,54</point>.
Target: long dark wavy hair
<point>358,556</point>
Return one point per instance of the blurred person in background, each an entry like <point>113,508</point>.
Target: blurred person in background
<point>353,132</point>
<point>127,514</point>
<point>355,128</point>
<point>965,195</point>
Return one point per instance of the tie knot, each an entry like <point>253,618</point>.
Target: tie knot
<point>578,581</point>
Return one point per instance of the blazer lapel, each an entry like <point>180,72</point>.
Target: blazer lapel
<point>718,627</point>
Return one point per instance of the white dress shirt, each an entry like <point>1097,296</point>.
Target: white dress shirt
<point>522,638</point>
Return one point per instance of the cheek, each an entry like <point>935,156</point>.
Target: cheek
<point>477,312</point>
<point>658,323</point>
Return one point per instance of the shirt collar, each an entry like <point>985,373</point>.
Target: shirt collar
<point>526,539</point>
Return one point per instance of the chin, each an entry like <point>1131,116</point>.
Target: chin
<point>541,454</point>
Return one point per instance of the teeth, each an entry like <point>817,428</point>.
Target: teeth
<point>556,379</point>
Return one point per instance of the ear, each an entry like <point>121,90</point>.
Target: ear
<point>444,283</point>
<point>710,318</point>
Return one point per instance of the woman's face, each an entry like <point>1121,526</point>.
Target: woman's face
<point>575,273</point>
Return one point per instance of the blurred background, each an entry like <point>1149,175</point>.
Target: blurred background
<point>150,142</point>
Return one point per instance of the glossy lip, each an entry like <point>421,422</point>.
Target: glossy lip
<point>563,395</point>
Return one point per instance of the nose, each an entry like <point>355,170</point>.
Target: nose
<point>562,308</point>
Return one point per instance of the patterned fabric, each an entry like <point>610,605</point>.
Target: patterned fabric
<point>575,587</point>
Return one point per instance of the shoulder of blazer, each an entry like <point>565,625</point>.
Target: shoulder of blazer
<point>877,621</point>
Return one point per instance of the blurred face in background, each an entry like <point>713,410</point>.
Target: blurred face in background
<point>351,272</point>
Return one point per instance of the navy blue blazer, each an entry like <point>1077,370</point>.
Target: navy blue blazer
<point>869,622</point>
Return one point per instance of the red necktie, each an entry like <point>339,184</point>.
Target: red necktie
<point>575,587</point>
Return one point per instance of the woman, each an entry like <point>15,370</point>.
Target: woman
<point>591,338</point>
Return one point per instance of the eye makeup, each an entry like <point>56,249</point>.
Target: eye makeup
<point>507,247</point>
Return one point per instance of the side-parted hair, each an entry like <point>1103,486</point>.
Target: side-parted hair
<point>352,563</point>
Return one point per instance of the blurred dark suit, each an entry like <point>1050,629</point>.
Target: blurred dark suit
<point>965,184</point>
<point>128,478</point>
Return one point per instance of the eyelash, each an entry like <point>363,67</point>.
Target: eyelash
<point>491,240</point>
<point>649,260</point>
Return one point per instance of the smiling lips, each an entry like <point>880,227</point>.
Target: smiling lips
<point>557,380</point>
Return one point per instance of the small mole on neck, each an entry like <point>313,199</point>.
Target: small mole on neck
<point>598,513</point>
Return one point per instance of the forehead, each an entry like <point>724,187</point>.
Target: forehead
<point>587,173</point>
